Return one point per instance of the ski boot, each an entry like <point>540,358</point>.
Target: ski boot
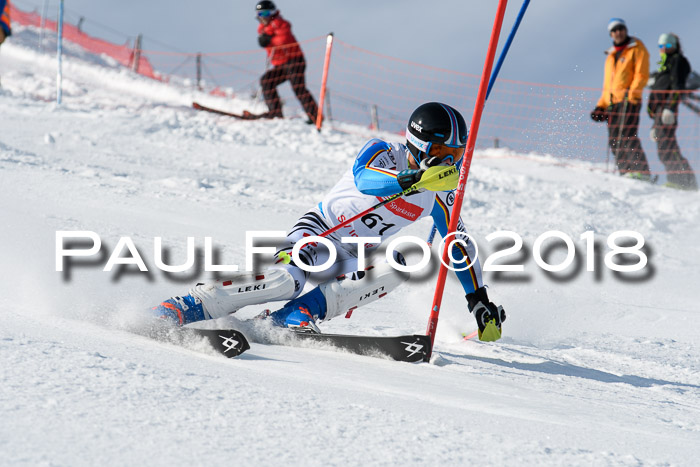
<point>302,313</point>
<point>301,319</point>
<point>489,317</point>
<point>181,310</point>
<point>641,176</point>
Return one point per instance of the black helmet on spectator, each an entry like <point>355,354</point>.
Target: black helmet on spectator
<point>265,8</point>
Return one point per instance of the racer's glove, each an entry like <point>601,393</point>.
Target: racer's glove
<point>407,178</point>
<point>489,317</point>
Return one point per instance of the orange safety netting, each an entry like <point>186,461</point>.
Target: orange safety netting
<point>121,53</point>
<point>379,92</point>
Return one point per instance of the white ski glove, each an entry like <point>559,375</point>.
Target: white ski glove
<point>667,117</point>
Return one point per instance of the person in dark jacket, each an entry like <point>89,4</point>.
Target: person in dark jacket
<point>287,60</point>
<point>663,109</point>
<point>5,27</point>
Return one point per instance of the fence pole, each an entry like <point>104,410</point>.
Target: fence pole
<point>59,55</point>
<point>464,172</point>
<point>326,64</point>
<point>42,25</point>
<point>137,54</point>
<point>375,118</point>
<point>199,71</point>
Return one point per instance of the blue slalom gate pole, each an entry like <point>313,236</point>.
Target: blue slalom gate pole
<point>494,75</point>
<point>59,54</point>
<point>509,41</point>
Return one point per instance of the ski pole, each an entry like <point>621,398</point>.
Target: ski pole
<point>434,179</point>
<point>622,126</point>
<point>692,107</point>
<point>431,237</point>
<point>258,94</point>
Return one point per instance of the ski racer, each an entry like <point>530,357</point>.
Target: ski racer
<point>287,60</point>
<point>436,135</point>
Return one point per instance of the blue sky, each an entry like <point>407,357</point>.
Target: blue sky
<point>559,41</point>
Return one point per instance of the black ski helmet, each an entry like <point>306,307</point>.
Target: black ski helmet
<point>266,5</point>
<point>435,123</point>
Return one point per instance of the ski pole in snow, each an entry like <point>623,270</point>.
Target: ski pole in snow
<point>464,172</point>
<point>622,125</point>
<point>258,94</point>
<point>607,157</point>
<point>59,55</point>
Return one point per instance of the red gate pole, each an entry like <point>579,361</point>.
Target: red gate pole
<point>326,64</point>
<point>464,172</point>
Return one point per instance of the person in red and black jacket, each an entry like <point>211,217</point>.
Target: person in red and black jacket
<point>287,60</point>
<point>5,28</point>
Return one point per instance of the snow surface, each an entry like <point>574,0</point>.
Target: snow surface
<point>594,368</point>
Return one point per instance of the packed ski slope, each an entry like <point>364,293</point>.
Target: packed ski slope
<point>594,368</point>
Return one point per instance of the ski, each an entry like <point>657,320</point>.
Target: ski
<point>408,348</point>
<point>228,342</point>
<point>198,106</point>
<point>232,342</point>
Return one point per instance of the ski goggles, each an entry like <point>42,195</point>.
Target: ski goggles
<point>448,153</point>
<point>665,46</point>
<point>265,13</point>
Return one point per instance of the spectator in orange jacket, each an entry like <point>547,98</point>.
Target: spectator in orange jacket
<point>5,28</point>
<point>626,74</point>
<point>287,60</point>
